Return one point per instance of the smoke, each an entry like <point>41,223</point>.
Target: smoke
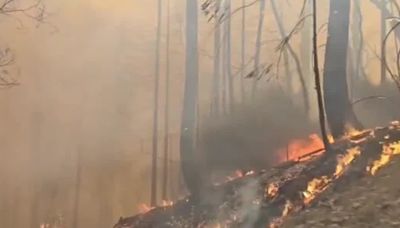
<point>249,137</point>
<point>376,105</point>
<point>250,203</point>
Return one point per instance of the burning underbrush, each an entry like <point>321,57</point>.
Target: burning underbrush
<point>267,198</point>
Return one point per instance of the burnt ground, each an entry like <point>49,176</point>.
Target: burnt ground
<point>373,201</point>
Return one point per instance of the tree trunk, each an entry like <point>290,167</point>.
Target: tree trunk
<point>243,52</point>
<point>384,14</point>
<point>357,40</point>
<point>187,137</point>
<point>166,117</point>
<point>228,57</point>
<point>317,79</point>
<point>258,48</point>
<point>336,96</point>
<point>291,51</point>
<point>153,197</point>
<point>215,102</point>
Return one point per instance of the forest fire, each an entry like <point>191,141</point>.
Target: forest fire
<point>318,185</point>
<point>300,147</point>
<point>144,208</point>
<point>290,187</point>
<point>387,153</point>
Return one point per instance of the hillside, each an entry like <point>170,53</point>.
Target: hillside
<point>372,201</point>
<point>351,184</point>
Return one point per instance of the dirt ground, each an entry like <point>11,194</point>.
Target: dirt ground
<point>373,201</point>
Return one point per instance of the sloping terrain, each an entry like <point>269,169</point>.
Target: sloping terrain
<point>320,190</point>
<point>372,201</point>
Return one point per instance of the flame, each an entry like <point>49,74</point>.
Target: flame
<point>299,147</point>
<point>277,222</point>
<point>318,185</point>
<point>167,203</point>
<point>387,153</point>
<point>144,208</point>
<point>345,160</point>
<point>272,190</point>
<point>351,131</point>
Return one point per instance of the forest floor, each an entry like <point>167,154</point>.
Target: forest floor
<point>373,201</point>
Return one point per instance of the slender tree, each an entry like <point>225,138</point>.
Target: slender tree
<point>243,52</point>
<point>153,197</point>
<point>258,48</point>
<point>317,78</point>
<point>188,124</point>
<point>228,56</point>
<point>336,95</point>
<point>293,54</point>
<point>384,14</point>
<point>215,101</point>
<point>306,42</point>
<point>166,116</point>
<point>77,190</point>
<point>357,40</point>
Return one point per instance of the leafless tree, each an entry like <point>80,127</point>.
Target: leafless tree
<point>321,108</point>
<point>153,197</point>
<point>190,98</point>
<point>338,108</point>
<point>6,60</point>
<point>11,8</point>
<point>256,72</point>
<point>287,46</point>
<point>166,116</point>
<point>243,52</point>
<point>394,73</point>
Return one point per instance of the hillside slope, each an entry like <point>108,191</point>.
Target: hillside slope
<point>373,201</point>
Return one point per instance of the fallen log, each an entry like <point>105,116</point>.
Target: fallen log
<point>266,198</point>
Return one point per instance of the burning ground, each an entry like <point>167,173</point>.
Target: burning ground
<point>313,190</point>
<point>369,202</point>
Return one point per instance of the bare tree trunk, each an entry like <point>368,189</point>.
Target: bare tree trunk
<point>166,117</point>
<point>258,48</point>
<point>215,103</point>
<point>306,57</point>
<point>358,40</point>
<point>318,80</point>
<point>224,76</point>
<point>228,57</point>
<point>77,193</point>
<point>384,14</point>
<point>188,124</point>
<point>153,197</point>
<point>306,44</point>
<point>243,52</point>
<point>336,95</point>
<point>291,51</point>
<point>36,134</point>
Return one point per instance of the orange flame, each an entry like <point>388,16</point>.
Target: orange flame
<point>318,185</point>
<point>300,147</point>
<point>144,208</point>
<point>387,153</point>
<point>272,190</point>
